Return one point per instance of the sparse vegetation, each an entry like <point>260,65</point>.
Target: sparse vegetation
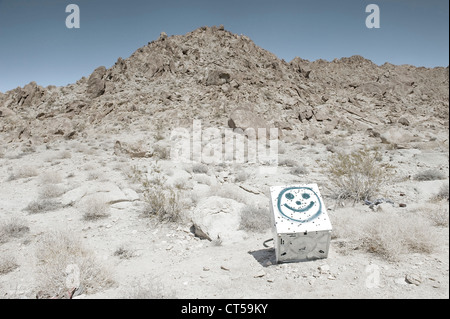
<point>51,191</point>
<point>95,208</point>
<point>7,264</point>
<point>439,216</point>
<point>200,168</point>
<point>429,175</point>
<point>123,253</point>
<point>42,206</point>
<point>358,175</point>
<point>23,172</point>
<point>299,170</point>
<point>12,228</point>
<point>443,193</point>
<point>388,235</point>
<point>254,219</point>
<point>63,261</point>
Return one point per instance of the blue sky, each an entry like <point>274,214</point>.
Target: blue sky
<point>35,44</point>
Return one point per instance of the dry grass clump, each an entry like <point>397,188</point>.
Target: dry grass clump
<point>388,235</point>
<point>200,168</point>
<point>51,191</point>
<point>95,208</point>
<point>358,175</point>
<point>63,263</point>
<point>299,170</point>
<point>254,219</point>
<point>23,172</point>
<point>42,206</point>
<point>153,289</point>
<point>7,264</point>
<point>429,175</point>
<point>443,193</point>
<point>163,203</point>
<point>51,177</point>
<point>438,216</point>
<point>12,228</point>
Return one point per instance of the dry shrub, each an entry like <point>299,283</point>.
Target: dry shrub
<point>51,177</point>
<point>358,175</point>
<point>42,206</point>
<point>443,193</point>
<point>429,175</point>
<point>12,228</point>
<point>254,219</point>
<point>386,234</point>
<point>439,216</point>
<point>51,191</point>
<point>23,172</point>
<point>63,262</point>
<point>162,203</point>
<point>95,208</point>
<point>7,264</point>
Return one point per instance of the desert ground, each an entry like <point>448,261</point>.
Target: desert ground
<point>93,205</point>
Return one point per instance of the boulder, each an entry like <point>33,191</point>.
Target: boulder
<point>305,113</point>
<point>216,77</point>
<point>96,83</point>
<point>216,217</point>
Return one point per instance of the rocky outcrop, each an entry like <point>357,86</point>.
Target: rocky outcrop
<point>96,84</point>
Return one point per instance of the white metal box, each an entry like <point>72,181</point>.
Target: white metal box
<point>300,223</point>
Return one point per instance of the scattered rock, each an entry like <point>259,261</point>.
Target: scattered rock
<point>413,279</point>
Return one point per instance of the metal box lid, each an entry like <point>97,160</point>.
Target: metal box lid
<point>298,208</point>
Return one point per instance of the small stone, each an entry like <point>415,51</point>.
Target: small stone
<point>413,279</point>
<point>324,269</point>
<point>402,205</point>
<point>224,268</point>
<point>260,274</point>
<point>206,269</point>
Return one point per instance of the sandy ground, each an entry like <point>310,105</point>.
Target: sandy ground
<point>168,261</point>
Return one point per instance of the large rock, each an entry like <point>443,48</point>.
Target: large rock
<point>216,77</point>
<point>96,83</point>
<point>217,217</point>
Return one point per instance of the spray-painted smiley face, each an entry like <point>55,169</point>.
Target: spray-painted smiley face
<point>300,204</point>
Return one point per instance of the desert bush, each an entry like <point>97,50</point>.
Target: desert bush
<point>299,170</point>
<point>95,208</point>
<point>7,264</point>
<point>123,253</point>
<point>241,176</point>
<point>12,228</point>
<point>42,206</point>
<point>162,203</point>
<point>63,262</point>
<point>161,152</point>
<point>200,168</point>
<point>443,193</point>
<point>390,236</point>
<point>151,289</point>
<point>429,175</point>
<point>439,216</point>
<point>23,172</point>
<point>51,177</point>
<point>51,191</point>
<point>358,175</point>
<point>254,219</point>
<point>287,163</point>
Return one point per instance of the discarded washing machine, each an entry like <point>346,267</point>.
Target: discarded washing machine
<point>300,223</point>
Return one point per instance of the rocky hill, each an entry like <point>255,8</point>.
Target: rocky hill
<point>209,72</point>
